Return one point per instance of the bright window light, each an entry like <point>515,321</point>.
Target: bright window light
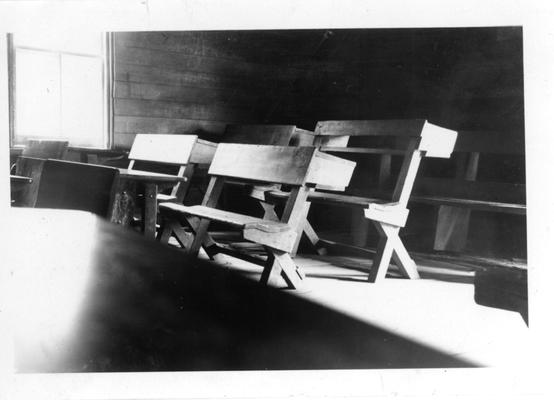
<point>60,88</point>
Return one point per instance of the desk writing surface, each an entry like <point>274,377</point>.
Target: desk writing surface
<point>106,299</point>
<point>148,176</point>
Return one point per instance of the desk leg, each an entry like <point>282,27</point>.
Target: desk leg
<point>150,210</point>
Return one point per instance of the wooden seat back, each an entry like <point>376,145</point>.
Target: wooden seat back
<point>414,139</point>
<point>160,148</point>
<point>174,150</point>
<point>275,135</point>
<point>434,140</point>
<point>77,186</point>
<point>295,166</point>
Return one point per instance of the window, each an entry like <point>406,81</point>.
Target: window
<point>60,88</point>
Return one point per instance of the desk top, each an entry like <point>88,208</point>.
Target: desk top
<point>105,299</point>
<point>147,176</point>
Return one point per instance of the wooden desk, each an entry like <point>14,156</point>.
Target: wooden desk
<point>108,300</point>
<point>150,181</point>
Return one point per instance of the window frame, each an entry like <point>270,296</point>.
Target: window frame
<point>107,82</point>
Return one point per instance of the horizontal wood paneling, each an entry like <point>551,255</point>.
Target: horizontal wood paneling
<point>176,110</point>
<point>155,74</point>
<point>126,126</point>
<point>190,82</point>
<point>460,78</point>
<point>185,94</point>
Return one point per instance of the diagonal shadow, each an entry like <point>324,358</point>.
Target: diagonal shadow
<point>165,312</point>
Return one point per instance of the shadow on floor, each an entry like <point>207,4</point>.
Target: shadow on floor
<point>180,314</point>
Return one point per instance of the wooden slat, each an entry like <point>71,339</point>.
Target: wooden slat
<point>471,190</point>
<point>203,152</point>
<point>435,141</point>
<point>361,150</point>
<point>276,135</point>
<point>176,110</point>
<point>273,164</point>
<point>281,164</point>
<point>186,62</point>
<point>492,206</point>
<point>227,217</point>
<point>162,75</point>
<point>392,127</point>
<point>330,172</point>
<point>146,176</point>
<point>185,94</point>
<point>342,200</point>
<point>134,125</point>
<point>167,149</point>
<point>363,202</point>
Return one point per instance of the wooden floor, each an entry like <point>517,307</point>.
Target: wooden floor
<point>437,310</point>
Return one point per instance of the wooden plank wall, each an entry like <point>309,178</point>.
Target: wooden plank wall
<point>173,82</point>
<point>181,82</point>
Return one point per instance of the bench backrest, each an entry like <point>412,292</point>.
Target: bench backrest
<point>432,139</point>
<point>275,135</point>
<point>179,150</point>
<point>287,165</point>
<point>77,186</point>
<point>418,138</point>
<point>161,148</point>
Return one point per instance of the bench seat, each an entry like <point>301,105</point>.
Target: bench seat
<point>275,234</point>
<point>480,205</point>
<point>377,209</point>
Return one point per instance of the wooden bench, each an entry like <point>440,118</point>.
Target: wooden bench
<point>419,139</point>
<point>458,195</point>
<point>301,168</point>
<point>182,152</point>
<point>262,134</point>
